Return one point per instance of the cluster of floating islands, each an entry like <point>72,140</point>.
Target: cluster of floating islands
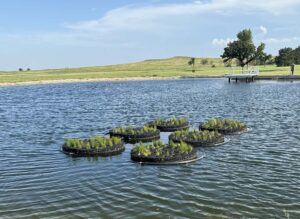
<point>148,149</point>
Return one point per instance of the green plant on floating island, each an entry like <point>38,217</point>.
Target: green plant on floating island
<point>96,142</point>
<point>159,149</point>
<point>223,124</point>
<point>170,122</point>
<point>134,131</point>
<point>204,136</point>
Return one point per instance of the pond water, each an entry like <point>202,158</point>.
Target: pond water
<point>254,175</point>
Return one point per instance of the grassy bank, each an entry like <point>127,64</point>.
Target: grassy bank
<point>160,68</point>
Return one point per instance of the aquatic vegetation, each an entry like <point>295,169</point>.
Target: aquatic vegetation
<point>160,152</point>
<point>170,124</point>
<point>142,150</point>
<point>98,145</point>
<point>134,135</point>
<point>73,143</point>
<point>226,126</point>
<point>133,130</point>
<point>96,142</point>
<point>197,138</point>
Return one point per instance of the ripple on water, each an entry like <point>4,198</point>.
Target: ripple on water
<point>254,175</point>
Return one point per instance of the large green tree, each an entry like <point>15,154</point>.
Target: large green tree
<point>285,57</point>
<point>243,49</point>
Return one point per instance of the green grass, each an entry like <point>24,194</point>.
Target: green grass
<point>172,67</point>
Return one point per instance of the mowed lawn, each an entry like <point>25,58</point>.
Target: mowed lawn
<point>172,67</point>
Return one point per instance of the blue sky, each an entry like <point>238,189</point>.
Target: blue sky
<point>42,34</point>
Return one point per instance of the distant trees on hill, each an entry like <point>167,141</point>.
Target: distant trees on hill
<point>288,56</point>
<point>285,57</point>
<point>192,63</point>
<point>204,61</point>
<point>21,69</point>
<point>296,54</point>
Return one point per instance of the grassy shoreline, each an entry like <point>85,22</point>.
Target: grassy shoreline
<point>172,68</point>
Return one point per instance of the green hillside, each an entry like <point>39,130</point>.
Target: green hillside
<point>171,67</point>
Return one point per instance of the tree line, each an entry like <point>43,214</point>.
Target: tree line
<point>288,56</point>
<point>245,52</point>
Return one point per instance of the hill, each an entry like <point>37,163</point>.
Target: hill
<point>158,68</point>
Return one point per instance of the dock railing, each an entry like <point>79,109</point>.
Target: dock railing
<point>252,70</point>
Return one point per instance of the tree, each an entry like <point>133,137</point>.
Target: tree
<point>264,58</point>
<point>192,63</point>
<point>204,61</point>
<point>297,55</point>
<point>20,69</point>
<point>243,49</point>
<point>285,57</point>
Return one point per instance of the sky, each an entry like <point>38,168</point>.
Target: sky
<point>43,34</point>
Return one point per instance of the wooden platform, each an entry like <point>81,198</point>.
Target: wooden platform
<point>241,77</point>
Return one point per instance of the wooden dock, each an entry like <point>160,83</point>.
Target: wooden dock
<point>253,77</point>
<point>241,74</point>
<point>241,77</point>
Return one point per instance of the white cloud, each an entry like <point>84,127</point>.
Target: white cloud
<point>221,42</point>
<point>145,17</point>
<point>263,30</point>
<point>150,19</point>
<point>281,40</point>
<point>197,2</point>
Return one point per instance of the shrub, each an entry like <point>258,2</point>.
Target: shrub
<point>204,61</point>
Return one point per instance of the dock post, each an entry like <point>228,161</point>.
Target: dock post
<point>229,79</point>
<point>236,80</point>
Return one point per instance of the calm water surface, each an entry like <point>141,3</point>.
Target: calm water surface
<point>255,175</point>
